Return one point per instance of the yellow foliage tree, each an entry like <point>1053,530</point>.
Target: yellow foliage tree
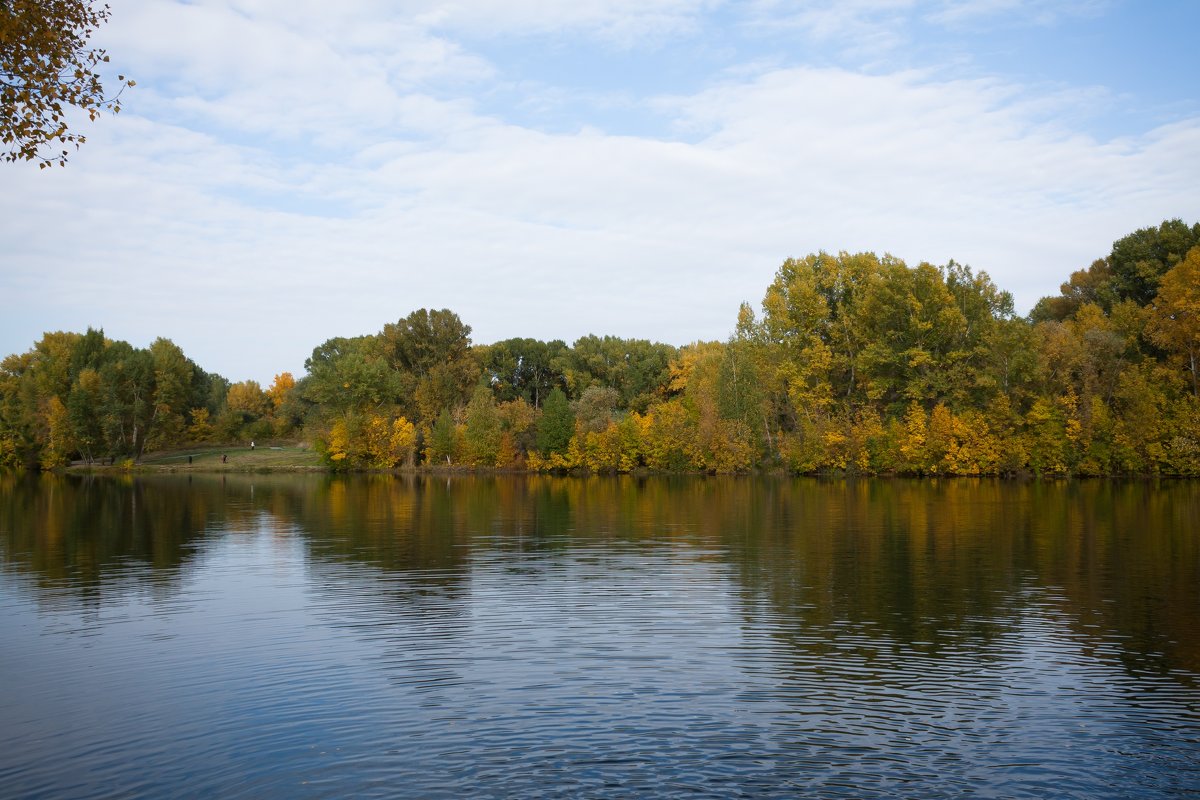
<point>807,448</point>
<point>1076,439</point>
<point>278,391</point>
<point>338,448</point>
<point>404,441</point>
<point>249,398</point>
<point>1183,446</point>
<point>389,443</point>
<point>1045,435</point>
<point>669,437</point>
<point>372,440</point>
<point>602,450</point>
<point>912,441</point>
<point>974,449</point>
<point>731,448</point>
<point>941,444</point>
<point>630,431</point>
<point>59,445</point>
<point>46,68</point>
<point>864,433</point>
<point>200,429</point>
<point>508,455</point>
<point>1175,314</point>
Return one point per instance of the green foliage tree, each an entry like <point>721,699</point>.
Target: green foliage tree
<point>482,433</point>
<point>1140,260</point>
<point>795,326</point>
<point>430,354</point>
<point>525,368</point>
<point>83,413</point>
<point>557,425</point>
<point>1010,359</point>
<point>857,364</point>
<point>985,309</point>
<point>82,396</point>
<point>88,351</point>
<point>442,439</point>
<point>596,409</point>
<point>172,392</point>
<point>346,375</point>
<point>422,340</point>
<point>915,328</point>
<point>1130,272</point>
<point>1092,285</point>
<point>740,397</point>
<point>128,404</point>
<point>636,368</point>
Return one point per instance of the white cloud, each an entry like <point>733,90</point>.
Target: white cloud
<point>1024,12</point>
<point>622,22</point>
<point>337,76</point>
<point>833,19</point>
<point>202,213</point>
<point>874,32</point>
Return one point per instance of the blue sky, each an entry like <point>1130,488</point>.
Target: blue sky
<point>290,170</point>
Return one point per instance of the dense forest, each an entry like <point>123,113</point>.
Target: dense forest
<point>854,363</point>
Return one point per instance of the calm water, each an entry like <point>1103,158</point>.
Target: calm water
<point>307,636</point>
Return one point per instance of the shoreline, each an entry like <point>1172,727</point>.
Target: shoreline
<point>298,458</point>
<point>242,468</point>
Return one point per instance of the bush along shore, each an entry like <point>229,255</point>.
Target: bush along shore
<point>852,363</point>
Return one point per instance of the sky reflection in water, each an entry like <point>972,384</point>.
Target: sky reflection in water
<point>314,636</point>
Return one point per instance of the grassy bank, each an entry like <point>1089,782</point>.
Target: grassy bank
<point>271,458</point>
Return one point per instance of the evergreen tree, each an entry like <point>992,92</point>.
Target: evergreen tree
<point>557,425</point>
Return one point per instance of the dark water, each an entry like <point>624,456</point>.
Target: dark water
<point>304,636</point>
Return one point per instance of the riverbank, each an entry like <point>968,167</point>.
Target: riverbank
<point>289,457</point>
<point>300,457</point>
<point>269,458</point>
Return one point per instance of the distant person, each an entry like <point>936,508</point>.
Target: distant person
<point>189,459</point>
<point>224,458</point>
<point>252,445</point>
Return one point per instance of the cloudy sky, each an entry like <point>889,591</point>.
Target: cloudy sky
<point>286,171</point>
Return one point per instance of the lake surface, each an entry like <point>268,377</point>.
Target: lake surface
<point>314,636</point>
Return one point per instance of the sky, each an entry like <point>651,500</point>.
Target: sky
<point>287,171</point>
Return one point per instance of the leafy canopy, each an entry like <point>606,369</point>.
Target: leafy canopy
<point>47,67</point>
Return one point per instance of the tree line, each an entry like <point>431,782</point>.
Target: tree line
<point>853,363</point>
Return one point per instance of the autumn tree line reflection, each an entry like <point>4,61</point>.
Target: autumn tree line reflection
<point>853,363</point>
<point>932,562</point>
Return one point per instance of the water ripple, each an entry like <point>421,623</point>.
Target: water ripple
<point>579,664</point>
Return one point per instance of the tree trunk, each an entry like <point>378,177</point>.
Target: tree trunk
<point>1192,355</point>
